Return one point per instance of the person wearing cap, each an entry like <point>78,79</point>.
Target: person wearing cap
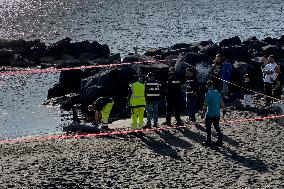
<point>212,105</point>
<point>173,97</point>
<point>153,94</point>
<point>191,88</point>
<point>137,102</point>
<point>102,108</point>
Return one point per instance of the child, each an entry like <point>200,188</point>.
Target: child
<point>247,101</point>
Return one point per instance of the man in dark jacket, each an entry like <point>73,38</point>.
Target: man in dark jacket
<point>102,108</point>
<point>191,94</point>
<point>173,97</point>
<point>153,95</point>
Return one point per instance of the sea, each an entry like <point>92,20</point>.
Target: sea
<point>121,24</point>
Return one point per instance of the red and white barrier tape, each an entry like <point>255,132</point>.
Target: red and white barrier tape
<point>52,70</point>
<point>49,137</point>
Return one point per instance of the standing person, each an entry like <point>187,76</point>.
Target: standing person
<point>102,108</point>
<point>269,77</point>
<point>277,84</point>
<point>247,101</point>
<point>153,94</point>
<point>212,104</point>
<point>173,97</point>
<point>191,94</point>
<point>226,72</point>
<point>137,102</point>
<point>216,69</point>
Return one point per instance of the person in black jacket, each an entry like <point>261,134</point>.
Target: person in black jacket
<point>153,95</point>
<point>102,108</point>
<point>191,94</point>
<point>173,97</point>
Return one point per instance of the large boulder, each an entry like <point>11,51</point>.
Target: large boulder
<point>69,82</point>
<point>230,42</point>
<point>19,61</point>
<point>236,53</point>
<point>114,82</point>
<point>57,49</point>
<point>211,50</point>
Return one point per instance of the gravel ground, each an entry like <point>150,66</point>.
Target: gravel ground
<point>252,157</point>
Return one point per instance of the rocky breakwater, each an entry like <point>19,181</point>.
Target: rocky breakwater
<point>89,84</point>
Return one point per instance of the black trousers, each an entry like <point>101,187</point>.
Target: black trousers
<point>215,121</point>
<point>173,105</point>
<point>268,92</point>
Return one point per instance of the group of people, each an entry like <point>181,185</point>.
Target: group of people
<point>147,96</point>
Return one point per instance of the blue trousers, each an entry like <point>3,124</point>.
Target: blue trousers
<point>152,109</point>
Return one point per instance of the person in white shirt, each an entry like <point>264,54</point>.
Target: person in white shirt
<point>269,76</point>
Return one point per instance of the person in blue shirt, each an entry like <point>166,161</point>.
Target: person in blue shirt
<point>212,105</point>
<point>226,72</point>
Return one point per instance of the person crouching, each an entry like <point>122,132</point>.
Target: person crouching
<point>102,108</point>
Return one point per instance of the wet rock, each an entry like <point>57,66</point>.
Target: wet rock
<point>230,42</point>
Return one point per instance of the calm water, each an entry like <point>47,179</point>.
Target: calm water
<point>122,24</point>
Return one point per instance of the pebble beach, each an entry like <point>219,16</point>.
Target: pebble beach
<point>251,157</point>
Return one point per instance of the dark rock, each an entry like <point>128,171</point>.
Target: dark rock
<point>18,46</point>
<point>281,40</point>
<point>114,82</point>
<point>180,46</point>
<point>273,50</point>
<point>57,90</point>
<point>19,61</point>
<point>115,58</point>
<point>153,52</point>
<point>35,50</point>
<point>194,58</point>
<point>271,41</point>
<point>58,48</point>
<point>104,51</point>
<point>206,43</point>
<point>5,57</point>
<point>78,48</point>
<point>211,50</point>
<point>230,42</point>
<point>69,82</point>
<point>236,53</point>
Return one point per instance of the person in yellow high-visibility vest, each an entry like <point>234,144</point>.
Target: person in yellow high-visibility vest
<point>102,108</point>
<point>137,103</point>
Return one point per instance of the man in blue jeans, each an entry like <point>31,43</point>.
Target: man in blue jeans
<point>212,104</point>
<point>153,94</point>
